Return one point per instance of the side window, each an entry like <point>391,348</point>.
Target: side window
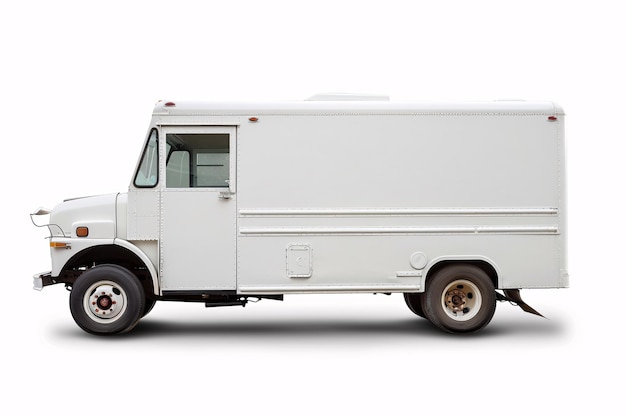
<point>148,173</point>
<point>198,160</point>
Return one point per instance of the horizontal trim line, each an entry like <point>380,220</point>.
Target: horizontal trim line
<point>479,211</point>
<point>289,231</point>
<point>176,123</point>
<point>347,112</point>
<point>326,288</point>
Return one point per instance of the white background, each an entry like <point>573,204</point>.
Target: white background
<point>78,83</point>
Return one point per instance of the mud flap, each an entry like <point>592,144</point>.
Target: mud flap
<point>514,297</point>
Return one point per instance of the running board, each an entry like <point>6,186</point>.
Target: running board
<point>237,300</point>
<point>514,297</point>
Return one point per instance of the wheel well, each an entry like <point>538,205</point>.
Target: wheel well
<point>107,254</point>
<point>485,266</point>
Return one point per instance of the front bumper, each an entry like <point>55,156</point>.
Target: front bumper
<point>42,279</point>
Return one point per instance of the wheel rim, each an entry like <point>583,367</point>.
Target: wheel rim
<point>461,300</point>
<point>105,302</point>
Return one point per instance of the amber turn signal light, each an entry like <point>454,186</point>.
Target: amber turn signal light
<point>82,231</point>
<point>59,245</point>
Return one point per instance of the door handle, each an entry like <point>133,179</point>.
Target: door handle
<point>226,194</point>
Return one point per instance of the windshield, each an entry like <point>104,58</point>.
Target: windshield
<point>148,172</point>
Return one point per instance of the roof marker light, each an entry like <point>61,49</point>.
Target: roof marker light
<point>253,119</point>
<point>170,104</point>
<point>552,118</point>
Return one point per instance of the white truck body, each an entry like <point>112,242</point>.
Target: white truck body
<point>348,195</point>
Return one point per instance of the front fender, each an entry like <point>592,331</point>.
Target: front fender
<point>63,250</point>
<point>145,259</point>
<point>70,254</point>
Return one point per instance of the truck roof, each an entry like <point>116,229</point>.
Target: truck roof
<point>356,105</point>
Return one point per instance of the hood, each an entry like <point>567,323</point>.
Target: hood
<point>97,213</point>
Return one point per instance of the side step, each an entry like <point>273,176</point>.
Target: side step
<point>240,302</point>
<point>235,300</point>
<point>514,297</point>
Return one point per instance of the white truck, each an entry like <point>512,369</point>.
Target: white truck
<point>454,205</point>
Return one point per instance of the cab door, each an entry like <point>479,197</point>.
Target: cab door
<point>198,208</point>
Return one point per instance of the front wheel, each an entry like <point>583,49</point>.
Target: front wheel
<point>460,299</point>
<point>107,299</point>
<point>149,305</point>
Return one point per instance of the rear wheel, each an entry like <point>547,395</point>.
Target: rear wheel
<point>460,299</point>
<point>414,303</point>
<point>107,299</point>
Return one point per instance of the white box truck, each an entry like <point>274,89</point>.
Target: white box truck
<point>454,205</point>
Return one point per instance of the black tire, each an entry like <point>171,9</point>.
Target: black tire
<point>149,305</point>
<point>106,300</point>
<point>413,301</point>
<point>459,299</point>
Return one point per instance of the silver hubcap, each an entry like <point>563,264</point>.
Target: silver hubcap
<point>461,300</point>
<point>104,301</point>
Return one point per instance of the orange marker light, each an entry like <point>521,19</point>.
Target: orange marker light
<point>61,245</point>
<point>82,231</point>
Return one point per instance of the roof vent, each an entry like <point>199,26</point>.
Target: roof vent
<point>347,97</point>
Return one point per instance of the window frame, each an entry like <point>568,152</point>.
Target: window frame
<point>193,153</point>
<point>143,156</point>
<point>231,129</point>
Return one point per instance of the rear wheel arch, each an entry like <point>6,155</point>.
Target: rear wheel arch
<point>486,265</point>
